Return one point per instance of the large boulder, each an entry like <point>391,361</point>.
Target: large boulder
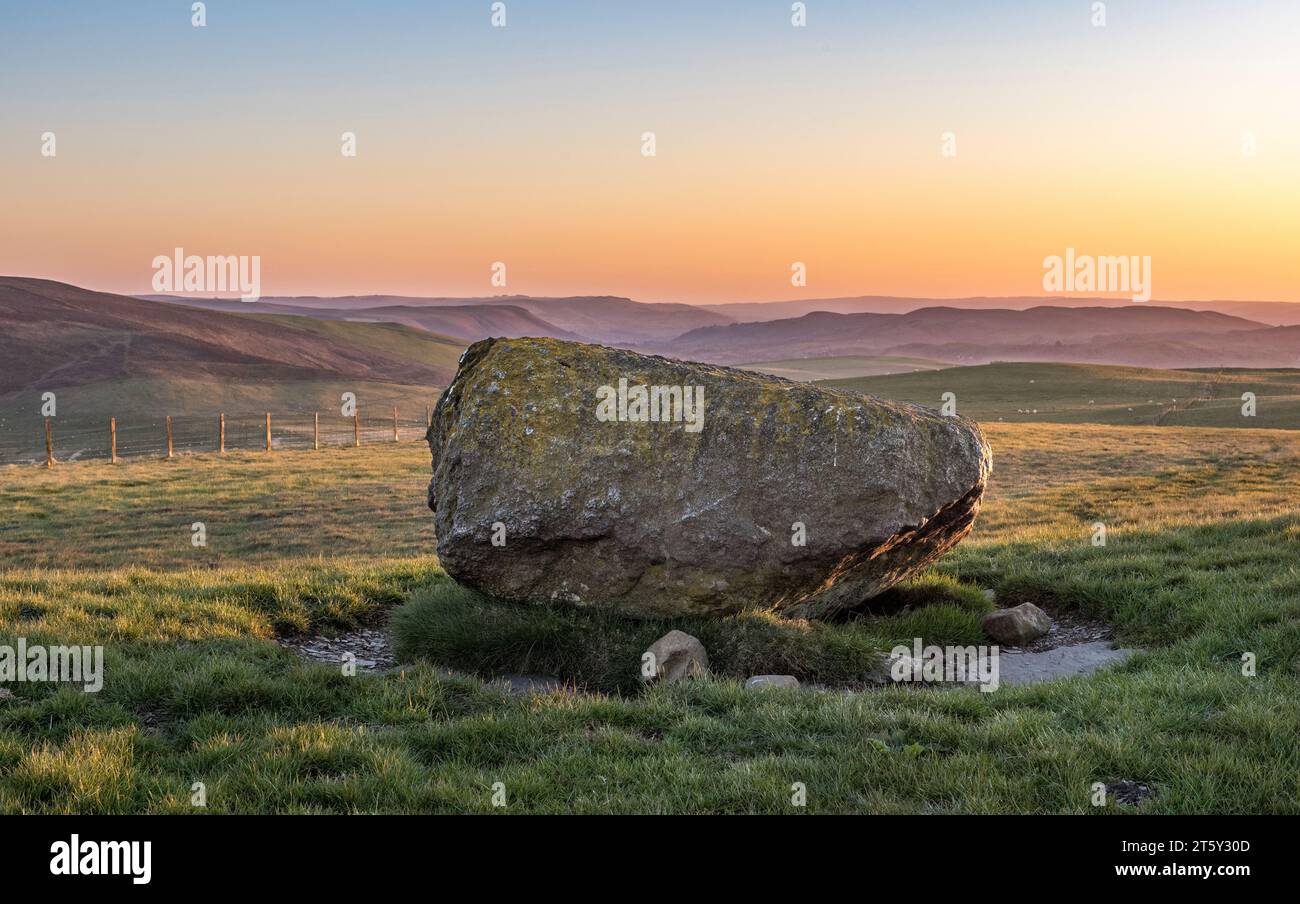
<point>556,478</point>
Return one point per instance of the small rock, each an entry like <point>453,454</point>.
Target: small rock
<point>1016,627</point>
<point>991,595</point>
<point>6,694</point>
<point>678,655</point>
<point>761,681</point>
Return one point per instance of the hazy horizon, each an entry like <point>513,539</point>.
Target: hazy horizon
<point>822,145</point>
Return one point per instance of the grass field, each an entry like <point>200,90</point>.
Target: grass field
<point>1099,394</point>
<point>1200,567</point>
<point>142,405</point>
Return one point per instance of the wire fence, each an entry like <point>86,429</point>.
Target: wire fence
<point>50,440</point>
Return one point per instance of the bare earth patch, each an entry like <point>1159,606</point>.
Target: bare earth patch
<point>1060,662</point>
<point>373,652</point>
<point>1075,645</point>
<point>1068,629</point>
<point>370,646</point>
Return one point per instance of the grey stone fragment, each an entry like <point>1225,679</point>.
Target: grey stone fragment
<point>1017,626</point>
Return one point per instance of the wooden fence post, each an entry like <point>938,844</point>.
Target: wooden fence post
<point>356,430</point>
<point>428,416</point>
<point>49,445</point>
<point>316,433</point>
<point>169,436</point>
<point>394,423</point>
<point>112,440</point>
<point>268,431</point>
<point>221,433</point>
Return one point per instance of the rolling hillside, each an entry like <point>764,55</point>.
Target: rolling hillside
<point>606,320</point>
<point>1270,313</point>
<point>814,369</point>
<point>468,323</point>
<point>54,335</point>
<point>108,356</point>
<point>1138,336</point>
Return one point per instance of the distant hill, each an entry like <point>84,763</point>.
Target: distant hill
<point>606,320</point>
<point>287,337</point>
<point>966,331</point>
<point>54,335</point>
<point>804,370</point>
<point>469,322</point>
<point>1270,313</point>
<point>1143,336</point>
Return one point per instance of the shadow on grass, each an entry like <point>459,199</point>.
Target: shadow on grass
<point>600,650</point>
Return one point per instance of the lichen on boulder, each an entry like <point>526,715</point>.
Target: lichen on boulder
<point>558,478</point>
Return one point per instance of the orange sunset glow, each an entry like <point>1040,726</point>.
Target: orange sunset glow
<point>1099,139</point>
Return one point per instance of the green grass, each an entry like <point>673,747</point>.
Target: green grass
<point>338,504</point>
<point>1098,394</point>
<point>1200,566</point>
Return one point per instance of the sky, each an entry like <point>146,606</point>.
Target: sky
<point>774,145</point>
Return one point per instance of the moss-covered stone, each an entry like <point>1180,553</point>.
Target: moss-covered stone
<point>655,519</point>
